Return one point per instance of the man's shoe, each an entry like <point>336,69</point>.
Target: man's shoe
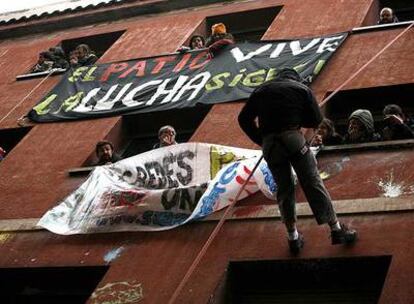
<point>343,236</point>
<point>296,245</point>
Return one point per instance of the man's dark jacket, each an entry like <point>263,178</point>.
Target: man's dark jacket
<point>280,105</point>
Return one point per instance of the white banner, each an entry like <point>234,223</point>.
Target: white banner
<point>159,190</point>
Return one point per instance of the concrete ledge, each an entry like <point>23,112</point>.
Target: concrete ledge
<point>343,207</point>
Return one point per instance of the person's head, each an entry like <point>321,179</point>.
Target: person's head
<point>44,56</point>
<point>83,50</point>
<point>218,30</point>
<point>58,51</point>
<point>288,73</point>
<point>386,15</point>
<point>393,109</point>
<point>360,124</point>
<point>166,135</point>
<point>326,128</point>
<point>197,42</point>
<point>104,151</point>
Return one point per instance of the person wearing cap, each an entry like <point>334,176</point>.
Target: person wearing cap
<point>387,16</point>
<point>219,39</point>
<point>283,106</point>
<point>397,125</point>
<point>361,128</point>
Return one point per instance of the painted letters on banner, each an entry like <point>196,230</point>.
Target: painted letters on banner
<point>180,80</point>
<point>159,190</point>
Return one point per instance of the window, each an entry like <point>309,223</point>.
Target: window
<point>375,99</point>
<point>9,138</point>
<point>248,25</point>
<point>140,131</point>
<point>357,280</point>
<point>98,44</point>
<point>63,285</point>
<point>403,9</point>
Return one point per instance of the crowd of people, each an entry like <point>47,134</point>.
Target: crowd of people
<point>361,128</point>
<point>55,58</point>
<point>82,55</point>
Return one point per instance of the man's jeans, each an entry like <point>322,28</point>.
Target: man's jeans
<point>287,149</point>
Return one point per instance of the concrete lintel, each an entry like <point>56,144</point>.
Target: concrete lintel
<point>356,206</point>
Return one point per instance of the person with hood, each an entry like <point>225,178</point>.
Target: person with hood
<point>397,126</point>
<point>361,128</point>
<point>59,58</point>
<point>326,134</point>
<point>219,39</point>
<point>282,107</point>
<point>387,16</point>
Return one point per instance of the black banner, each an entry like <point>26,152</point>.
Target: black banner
<point>180,80</point>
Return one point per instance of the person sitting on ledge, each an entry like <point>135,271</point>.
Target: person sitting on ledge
<point>361,128</point>
<point>387,16</point>
<point>397,126</point>
<point>85,55</point>
<point>166,136</point>
<point>219,39</point>
<point>44,63</point>
<point>326,134</point>
<point>105,153</point>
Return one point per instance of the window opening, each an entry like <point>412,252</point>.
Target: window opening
<point>247,25</point>
<point>374,99</point>
<point>9,138</point>
<point>141,130</point>
<point>356,280</point>
<point>98,45</point>
<point>340,107</point>
<point>403,9</point>
<point>62,285</point>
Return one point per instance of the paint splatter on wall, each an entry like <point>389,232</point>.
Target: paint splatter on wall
<point>118,293</point>
<point>391,188</point>
<point>113,254</point>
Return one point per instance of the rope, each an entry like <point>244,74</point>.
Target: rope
<point>211,237</point>
<point>323,102</point>
<point>231,206</point>
<point>27,96</point>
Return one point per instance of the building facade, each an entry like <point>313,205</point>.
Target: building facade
<point>372,185</point>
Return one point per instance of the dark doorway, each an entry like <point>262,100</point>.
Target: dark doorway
<point>356,280</point>
<point>49,285</point>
